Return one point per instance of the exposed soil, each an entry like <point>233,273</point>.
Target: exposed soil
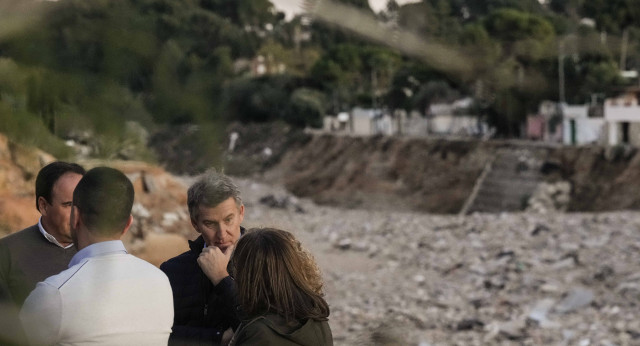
<point>437,176</point>
<point>382,172</point>
<point>398,173</point>
<point>190,149</point>
<point>19,167</point>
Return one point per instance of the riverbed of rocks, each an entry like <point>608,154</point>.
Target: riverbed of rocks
<point>396,278</point>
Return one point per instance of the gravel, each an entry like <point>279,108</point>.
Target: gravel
<point>397,278</point>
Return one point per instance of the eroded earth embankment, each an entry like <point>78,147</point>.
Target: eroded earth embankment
<point>437,176</point>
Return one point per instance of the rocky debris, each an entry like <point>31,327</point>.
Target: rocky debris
<point>19,166</point>
<point>343,244</point>
<point>512,330</point>
<point>161,198</point>
<point>243,149</point>
<point>550,197</point>
<point>469,324</point>
<point>148,183</point>
<point>575,299</point>
<point>82,151</point>
<point>86,142</point>
<point>421,279</point>
<point>245,155</point>
<point>539,313</point>
<point>480,279</point>
<point>283,202</point>
<point>539,228</point>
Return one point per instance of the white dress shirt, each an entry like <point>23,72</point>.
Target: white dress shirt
<point>49,237</point>
<point>106,297</point>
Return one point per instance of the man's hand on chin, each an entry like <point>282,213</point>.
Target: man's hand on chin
<point>226,337</point>
<point>214,261</point>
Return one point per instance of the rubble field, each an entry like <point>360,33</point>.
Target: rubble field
<point>401,278</point>
<point>397,277</point>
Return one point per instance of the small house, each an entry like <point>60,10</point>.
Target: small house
<point>622,116</point>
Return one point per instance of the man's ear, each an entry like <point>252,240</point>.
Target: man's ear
<point>241,213</point>
<point>127,226</point>
<point>74,218</point>
<point>42,205</point>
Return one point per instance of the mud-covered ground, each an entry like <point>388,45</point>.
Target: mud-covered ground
<point>506,279</point>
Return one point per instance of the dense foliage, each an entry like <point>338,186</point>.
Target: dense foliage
<point>107,71</point>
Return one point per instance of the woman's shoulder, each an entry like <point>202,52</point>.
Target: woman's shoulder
<point>271,323</point>
<point>275,328</point>
<point>256,331</point>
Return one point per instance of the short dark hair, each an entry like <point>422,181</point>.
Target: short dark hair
<point>49,175</point>
<point>209,190</point>
<point>275,274</point>
<point>104,197</point>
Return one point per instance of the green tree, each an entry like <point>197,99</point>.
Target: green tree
<point>408,90</point>
<point>510,26</point>
<point>612,15</point>
<point>481,8</point>
<point>306,108</point>
<point>243,12</point>
<point>257,99</point>
<point>41,99</point>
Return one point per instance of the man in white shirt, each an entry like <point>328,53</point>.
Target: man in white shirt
<point>106,297</point>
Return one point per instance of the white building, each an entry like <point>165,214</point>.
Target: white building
<point>460,125</point>
<point>575,126</point>
<point>622,115</point>
<point>372,122</point>
<point>453,119</point>
<point>578,128</point>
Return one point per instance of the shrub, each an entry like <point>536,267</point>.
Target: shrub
<point>305,108</point>
<point>28,129</point>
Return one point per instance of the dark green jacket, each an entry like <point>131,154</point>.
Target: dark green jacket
<point>272,330</point>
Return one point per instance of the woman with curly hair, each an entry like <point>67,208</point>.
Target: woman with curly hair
<point>280,290</point>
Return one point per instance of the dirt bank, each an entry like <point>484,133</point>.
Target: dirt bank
<point>19,166</point>
<point>382,172</point>
<point>437,176</point>
<point>400,173</point>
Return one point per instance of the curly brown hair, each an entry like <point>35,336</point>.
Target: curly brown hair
<point>274,274</point>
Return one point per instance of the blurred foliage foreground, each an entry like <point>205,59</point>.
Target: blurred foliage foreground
<point>104,75</point>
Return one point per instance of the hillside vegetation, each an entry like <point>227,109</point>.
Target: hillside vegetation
<point>108,73</point>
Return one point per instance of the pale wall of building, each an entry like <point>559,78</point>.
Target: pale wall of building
<point>588,130</point>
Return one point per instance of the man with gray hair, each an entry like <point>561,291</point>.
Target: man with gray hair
<point>204,295</point>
